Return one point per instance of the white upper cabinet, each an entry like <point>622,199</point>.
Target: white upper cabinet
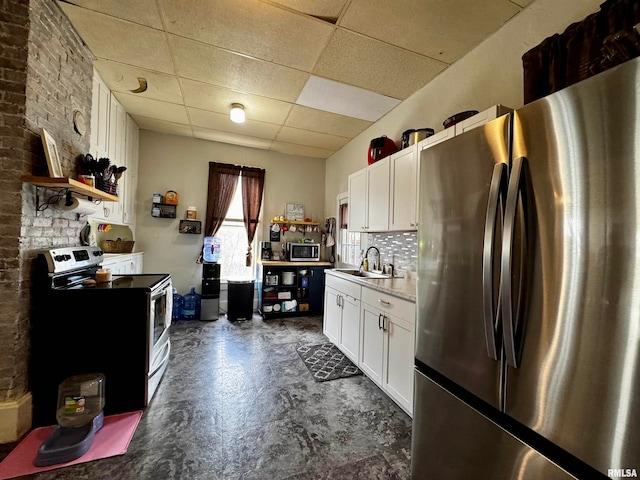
<point>403,196</point>
<point>129,180</point>
<point>114,135</point>
<point>358,201</point>
<point>369,198</point>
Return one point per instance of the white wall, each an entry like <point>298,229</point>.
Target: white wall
<point>169,162</point>
<point>489,75</point>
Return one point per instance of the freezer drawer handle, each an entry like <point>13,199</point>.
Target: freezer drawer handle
<point>510,321</point>
<point>495,207</point>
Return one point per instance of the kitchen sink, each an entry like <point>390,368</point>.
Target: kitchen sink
<point>363,274</point>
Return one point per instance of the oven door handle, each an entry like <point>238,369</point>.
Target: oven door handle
<point>167,349</point>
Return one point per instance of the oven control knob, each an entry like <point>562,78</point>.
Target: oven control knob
<point>97,253</point>
<point>66,257</point>
<point>59,258</point>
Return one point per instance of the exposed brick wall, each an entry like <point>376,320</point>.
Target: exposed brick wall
<point>14,35</point>
<point>45,74</point>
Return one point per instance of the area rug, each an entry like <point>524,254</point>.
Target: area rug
<point>326,362</point>
<point>111,440</point>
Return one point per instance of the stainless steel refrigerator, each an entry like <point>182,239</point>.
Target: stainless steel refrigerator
<point>528,297</point>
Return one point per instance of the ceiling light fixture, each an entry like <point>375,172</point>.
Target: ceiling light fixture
<point>237,113</point>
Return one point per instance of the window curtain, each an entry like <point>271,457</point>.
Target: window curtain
<point>602,40</point>
<point>252,188</point>
<point>223,179</point>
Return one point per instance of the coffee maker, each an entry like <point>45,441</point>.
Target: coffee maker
<point>265,251</point>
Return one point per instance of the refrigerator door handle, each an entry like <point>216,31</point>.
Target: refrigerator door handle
<point>509,319</point>
<point>494,207</point>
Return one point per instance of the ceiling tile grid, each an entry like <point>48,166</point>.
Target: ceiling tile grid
<point>310,74</point>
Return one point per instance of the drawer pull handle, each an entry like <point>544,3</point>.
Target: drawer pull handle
<point>383,302</point>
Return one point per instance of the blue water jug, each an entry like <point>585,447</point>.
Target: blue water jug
<point>192,304</point>
<point>178,302</point>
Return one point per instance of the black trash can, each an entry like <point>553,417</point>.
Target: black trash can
<point>240,300</point>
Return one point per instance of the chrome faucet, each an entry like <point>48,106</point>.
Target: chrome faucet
<point>376,266</point>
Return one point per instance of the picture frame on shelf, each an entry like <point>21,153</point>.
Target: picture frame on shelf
<point>294,211</point>
<point>51,152</point>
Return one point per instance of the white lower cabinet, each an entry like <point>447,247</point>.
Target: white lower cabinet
<point>342,315</point>
<point>376,331</point>
<point>124,264</point>
<point>387,333</point>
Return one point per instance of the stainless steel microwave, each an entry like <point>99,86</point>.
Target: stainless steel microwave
<point>303,252</point>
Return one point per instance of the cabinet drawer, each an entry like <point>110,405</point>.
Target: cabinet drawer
<point>389,304</point>
<point>344,286</point>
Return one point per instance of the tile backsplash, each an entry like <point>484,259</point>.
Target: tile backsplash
<point>399,248</point>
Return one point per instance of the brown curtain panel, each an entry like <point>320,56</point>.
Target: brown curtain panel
<point>602,40</point>
<point>223,179</point>
<point>252,188</point>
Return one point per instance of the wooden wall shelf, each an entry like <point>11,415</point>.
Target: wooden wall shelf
<point>71,185</point>
<point>294,222</point>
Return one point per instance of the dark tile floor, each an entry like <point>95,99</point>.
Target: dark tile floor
<point>237,402</point>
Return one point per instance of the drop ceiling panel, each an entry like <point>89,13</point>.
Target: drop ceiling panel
<point>311,139</point>
<point>218,99</point>
<point>208,64</point>
<point>325,122</point>
<point>302,150</point>
<point>361,61</point>
<point>143,12</point>
<point>147,107</point>
<point>124,78</point>
<point>326,9</point>
<point>162,126</point>
<point>257,29</point>
<point>523,3</point>
<point>219,121</point>
<point>121,41</point>
<point>344,99</point>
<point>232,138</point>
<point>442,30</point>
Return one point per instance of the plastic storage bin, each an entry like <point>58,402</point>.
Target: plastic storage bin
<point>80,399</point>
<point>240,300</point>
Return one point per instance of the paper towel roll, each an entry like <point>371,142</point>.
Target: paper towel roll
<point>80,206</point>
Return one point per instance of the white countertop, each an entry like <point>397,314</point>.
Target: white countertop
<point>399,287</point>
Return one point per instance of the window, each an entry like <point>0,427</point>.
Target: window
<point>348,242</point>
<point>233,241</point>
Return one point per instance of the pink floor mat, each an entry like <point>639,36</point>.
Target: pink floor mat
<point>111,440</point>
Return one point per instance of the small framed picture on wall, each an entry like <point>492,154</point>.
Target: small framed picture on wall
<point>294,211</point>
<point>51,152</point>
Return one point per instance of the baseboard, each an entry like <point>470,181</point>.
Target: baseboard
<point>15,418</point>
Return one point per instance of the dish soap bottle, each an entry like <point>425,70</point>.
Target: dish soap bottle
<point>178,303</point>
<point>191,305</point>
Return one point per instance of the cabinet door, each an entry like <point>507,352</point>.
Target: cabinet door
<point>371,343</point>
<point>332,315</point>
<point>101,98</point>
<point>358,201</point>
<point>117,127</point>
<point>350,327</point>
<point>399,359</point>
<point>129,179</point>
<point>316,289</point>
<point>378,196</point>
<point>403,203</point>
<point>139,263</point>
